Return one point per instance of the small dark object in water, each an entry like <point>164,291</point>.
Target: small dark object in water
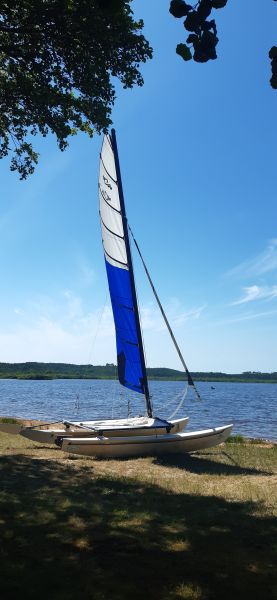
<point>212,388</point>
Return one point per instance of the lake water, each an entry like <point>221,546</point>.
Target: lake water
<point>251,407</point>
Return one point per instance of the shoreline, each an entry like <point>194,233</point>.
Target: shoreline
<point>150,378</point>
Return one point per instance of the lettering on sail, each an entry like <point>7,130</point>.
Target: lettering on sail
<point>105,195</point>
<point>106,181</point>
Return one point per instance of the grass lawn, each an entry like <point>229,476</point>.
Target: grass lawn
<point>194,527</point>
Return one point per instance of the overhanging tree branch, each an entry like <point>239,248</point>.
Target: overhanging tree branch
<point>58,62</point>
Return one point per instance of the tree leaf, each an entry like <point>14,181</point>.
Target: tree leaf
<point>184,51</point>
<point>273,52</point>
<point>179,8</point>
<point>273,82</point>
<point>219,3</point>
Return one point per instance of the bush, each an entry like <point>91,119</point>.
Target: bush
<point>236,439</point>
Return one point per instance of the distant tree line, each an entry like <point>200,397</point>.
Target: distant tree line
<point>37,370</point>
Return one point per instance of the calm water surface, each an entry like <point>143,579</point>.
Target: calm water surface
<point>250,406</point>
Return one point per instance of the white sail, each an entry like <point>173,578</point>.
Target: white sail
<point>110,210</point>
<point>130,354</point>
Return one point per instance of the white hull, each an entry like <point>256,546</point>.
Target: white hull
<point>139,426</point>
<point>146,446</point>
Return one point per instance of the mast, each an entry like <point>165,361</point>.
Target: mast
<point>131,274</point>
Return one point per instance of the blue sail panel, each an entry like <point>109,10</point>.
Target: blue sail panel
<point>128,355</point>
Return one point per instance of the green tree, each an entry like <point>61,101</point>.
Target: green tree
<point>59,60</point>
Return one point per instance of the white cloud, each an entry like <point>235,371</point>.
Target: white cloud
<point>70,339</point>
<point>263,263</point>
<point>152,319</point>
<point>249,316</point>
<point>87,273</point>
<point>255,292</point>
<point>62,331</point>
<point>74,305</point>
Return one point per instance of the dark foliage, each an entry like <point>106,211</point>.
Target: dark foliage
<point>273,58</point>
<point>58,62</point>
<point>203,37</point>
<point>36,370</point>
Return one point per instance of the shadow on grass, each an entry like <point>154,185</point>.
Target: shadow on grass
<point>42,447</point>
<point>199,462</point>
<point>68,535</point>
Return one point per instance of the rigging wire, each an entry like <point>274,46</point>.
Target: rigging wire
<point>189,377</point>
<point>97,327</point>
<point>183,397</point>
<point>77,402</point>
<point>176,397</point>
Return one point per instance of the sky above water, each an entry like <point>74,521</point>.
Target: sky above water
<point>197,146</point>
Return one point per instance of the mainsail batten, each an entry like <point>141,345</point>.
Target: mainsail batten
<point>130,354</point>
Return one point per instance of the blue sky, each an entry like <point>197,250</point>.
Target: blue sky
<point>197,148</point>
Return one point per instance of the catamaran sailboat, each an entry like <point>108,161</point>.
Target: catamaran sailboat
<point>139,435</point>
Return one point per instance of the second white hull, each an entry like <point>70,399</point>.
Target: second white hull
<point>146,446</point>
